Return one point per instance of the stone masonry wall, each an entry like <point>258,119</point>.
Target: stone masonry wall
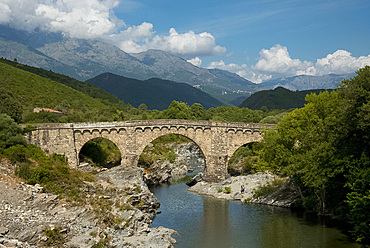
<point>217,140</point>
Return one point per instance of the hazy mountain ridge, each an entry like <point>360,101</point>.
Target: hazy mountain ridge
<point>155,93</point>
<point>306,82</point>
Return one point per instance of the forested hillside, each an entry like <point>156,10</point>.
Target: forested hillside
<point>155,93</point>
<point>279,98</point>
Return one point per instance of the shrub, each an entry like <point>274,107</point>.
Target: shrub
<point>267,189</point>
<point>227,190</point>
<point>10,133</point>
<point>55,238</point>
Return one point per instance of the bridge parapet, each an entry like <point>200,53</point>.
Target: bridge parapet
<point>217,140</point>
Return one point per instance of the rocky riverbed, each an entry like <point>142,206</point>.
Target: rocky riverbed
<point>283,195</point>
<point>118,213</point>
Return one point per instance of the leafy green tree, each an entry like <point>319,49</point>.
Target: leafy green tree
<point>143,107</point>
<point>198,112</point>
<point>177,110</point>
<point>301,146</point>
<point>10,133</point>
<point>10,106</point>
<point>354,146</point>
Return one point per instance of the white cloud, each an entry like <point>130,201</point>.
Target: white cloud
<point>276,62</point>
<point>80,19</point>
<point>340,62</point>
<point>195,61</point>
<point>5,13</point>
<point>95,19</point>
<point>185,45</point>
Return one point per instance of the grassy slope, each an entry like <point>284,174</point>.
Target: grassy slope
<point>84,87</point>
<point>34,91</point>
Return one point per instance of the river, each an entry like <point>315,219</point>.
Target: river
<point>204,221</point>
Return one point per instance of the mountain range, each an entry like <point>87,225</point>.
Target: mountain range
<point>84,59</point>
<point>305,82</point>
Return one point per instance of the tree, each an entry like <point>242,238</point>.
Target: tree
<point>301,146</point>
<point>10,106</point>
<point>198,112</point>
<point>10,133</point>
<point>354,146</point>
<point>142,107</point>
<point>177,110</point>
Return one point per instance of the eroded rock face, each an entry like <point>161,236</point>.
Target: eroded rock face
<point>25,213</point>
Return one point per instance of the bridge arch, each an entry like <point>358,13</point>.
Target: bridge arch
<point>242,160</point>
<point>102,151</point>
<point>147,135</point>
<point>187,141</point>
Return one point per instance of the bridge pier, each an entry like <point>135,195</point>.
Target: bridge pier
<point>216,168</point>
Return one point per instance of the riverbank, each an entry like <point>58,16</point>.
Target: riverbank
<point>117,212</point>
<point>283,194</point>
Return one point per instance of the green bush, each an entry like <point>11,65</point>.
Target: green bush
<point>171,156</point>
<point>267,189</point>
<point>55,238</point>
<point>10,133</point>
<point>227,190</point>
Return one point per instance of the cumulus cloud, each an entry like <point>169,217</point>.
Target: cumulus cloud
<point>186,45</point>
<point>276,62</point>
<point>5,13</point>
<point>340,62</point>
<point>80,19</point>
<point>96,19</point>
<point>195,61</point>
<point>189,43</point>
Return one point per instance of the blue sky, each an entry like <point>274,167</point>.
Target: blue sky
<point>310,29</point>
<point>258,40</point>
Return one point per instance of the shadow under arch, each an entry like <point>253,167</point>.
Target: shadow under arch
<point>242,160</point>
<point>164,146</point>
<point>100,151</point>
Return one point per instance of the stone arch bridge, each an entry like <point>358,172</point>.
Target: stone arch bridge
<point>217,140</point>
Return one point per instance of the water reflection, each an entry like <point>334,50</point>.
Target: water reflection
<point>209,222</point>
<point>215,223</point>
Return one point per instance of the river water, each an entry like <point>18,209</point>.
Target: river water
<point>204,221</point>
